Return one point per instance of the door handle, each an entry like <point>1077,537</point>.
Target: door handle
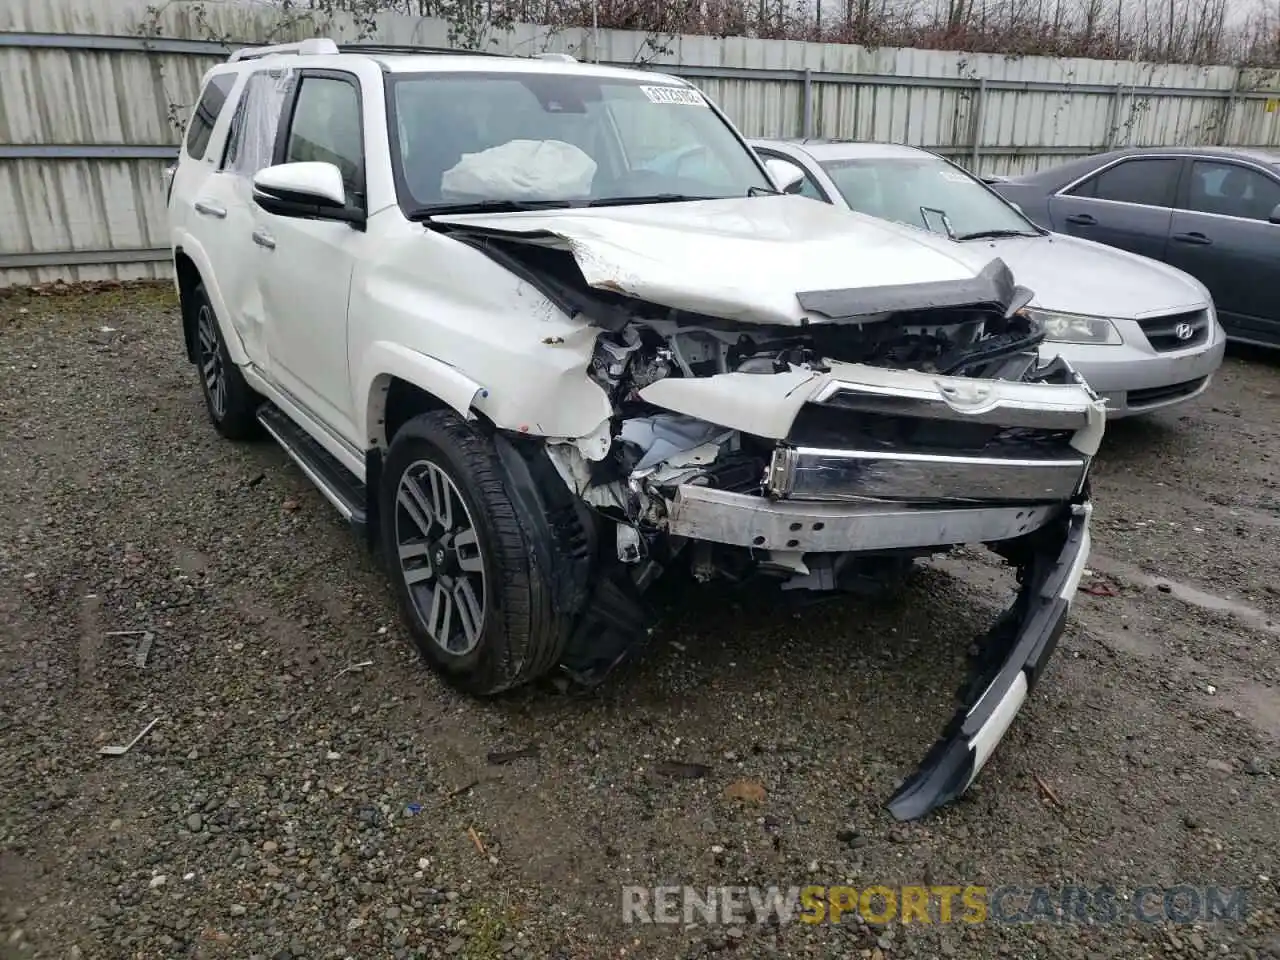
<point>1195,237</point>
<point>264,239</point>
<point>1082,219</point>
<point>211,209</point>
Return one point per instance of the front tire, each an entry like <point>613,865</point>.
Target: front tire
<point>477,607</point>
<point>230,401</point>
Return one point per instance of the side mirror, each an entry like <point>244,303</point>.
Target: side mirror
<point>786,176</point>
<point>1275,214</point>
<point>310,190</point>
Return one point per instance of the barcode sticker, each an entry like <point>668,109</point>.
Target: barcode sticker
<point>680,95</point>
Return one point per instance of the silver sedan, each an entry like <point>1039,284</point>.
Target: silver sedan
<point>1142,333</point>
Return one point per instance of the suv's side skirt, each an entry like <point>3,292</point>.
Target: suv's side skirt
<point>339,486</point>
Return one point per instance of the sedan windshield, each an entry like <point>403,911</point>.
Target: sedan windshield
<point>493,141</point>
<point>926,192</point>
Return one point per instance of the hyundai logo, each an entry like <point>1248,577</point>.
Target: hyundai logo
<point>1184,331</point>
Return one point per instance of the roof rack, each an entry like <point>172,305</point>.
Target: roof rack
<point>410,48</point>
<point>316,46</point>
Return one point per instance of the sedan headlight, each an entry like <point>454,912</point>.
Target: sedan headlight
<point>1075,328</point>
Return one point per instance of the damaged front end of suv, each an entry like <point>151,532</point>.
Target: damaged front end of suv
<point>826,439</point>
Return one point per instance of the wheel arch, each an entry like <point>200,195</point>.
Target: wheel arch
<point>187,276</point>
<point>191,269</point>
<point>399,383</point>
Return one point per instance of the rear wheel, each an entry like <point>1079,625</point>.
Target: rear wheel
<point>231,402</point>
<point>477,608</point>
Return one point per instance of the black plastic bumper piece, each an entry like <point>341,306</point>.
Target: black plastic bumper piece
<point>1026,635</point>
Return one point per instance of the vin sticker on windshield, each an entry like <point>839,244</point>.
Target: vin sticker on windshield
<point>682,95</point>
<point>954,176</point>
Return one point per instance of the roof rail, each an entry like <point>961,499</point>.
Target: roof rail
<point>558,57</point>
<point>316,46</point>
<point>410,48</point>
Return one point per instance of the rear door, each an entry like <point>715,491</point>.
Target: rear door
<point>1128,204</point>
<point>203,202</point>
<point>1221,234</point>
<point>248,149</point>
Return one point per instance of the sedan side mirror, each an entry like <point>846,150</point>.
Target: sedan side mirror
<point>311,190</point>
<point>1275,214</point>
<point>786,176</point>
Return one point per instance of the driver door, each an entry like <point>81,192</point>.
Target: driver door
<point>304,267</point>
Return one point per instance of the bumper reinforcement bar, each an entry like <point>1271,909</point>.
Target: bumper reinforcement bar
<point>722,516</point>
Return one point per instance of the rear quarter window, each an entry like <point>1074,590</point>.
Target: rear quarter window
<point>212,99</point>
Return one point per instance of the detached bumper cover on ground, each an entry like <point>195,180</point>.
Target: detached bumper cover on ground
<point>1013,657</point>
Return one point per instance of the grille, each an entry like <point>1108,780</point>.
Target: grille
<point>1154,395</point>
<point>1162,332</point>
<point>829,426</point>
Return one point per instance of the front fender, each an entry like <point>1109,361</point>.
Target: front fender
<point>450,320</point>
<point>384,360</point>
<point>190,246</point>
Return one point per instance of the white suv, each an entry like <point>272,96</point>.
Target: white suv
<point>543,330</point>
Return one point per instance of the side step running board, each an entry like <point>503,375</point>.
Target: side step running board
<point>339,486</point>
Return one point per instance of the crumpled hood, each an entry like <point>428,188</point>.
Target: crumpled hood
<point>1079,276</point>
<point>741,259</point>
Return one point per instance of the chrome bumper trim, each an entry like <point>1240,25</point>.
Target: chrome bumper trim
<point>719,516</point>
<point>1002,403</point>
<point>811,473</point>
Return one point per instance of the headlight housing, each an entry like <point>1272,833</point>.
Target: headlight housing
<point>1074,327</point>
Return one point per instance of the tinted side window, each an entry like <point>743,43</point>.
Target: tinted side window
<point>326,128</point>
<point>206,115</point>
<point>1147,182</point>
<point>1232,190</point>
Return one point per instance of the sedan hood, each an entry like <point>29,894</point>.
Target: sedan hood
<point>1079,276</point>
<point>745,259</point>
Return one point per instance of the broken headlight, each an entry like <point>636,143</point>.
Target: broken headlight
<point>1074,327</point>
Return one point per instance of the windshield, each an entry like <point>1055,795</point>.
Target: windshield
<point>918,190</point>
<point>471,139</point>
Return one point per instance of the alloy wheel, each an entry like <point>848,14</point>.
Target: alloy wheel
<point>215,377</point>
<point>440,558</point>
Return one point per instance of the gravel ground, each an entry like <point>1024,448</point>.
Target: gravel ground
<point>287,805</point>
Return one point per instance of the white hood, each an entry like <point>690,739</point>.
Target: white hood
<point>741,259</point>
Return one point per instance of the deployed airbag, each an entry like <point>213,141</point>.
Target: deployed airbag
<point>522,170</point>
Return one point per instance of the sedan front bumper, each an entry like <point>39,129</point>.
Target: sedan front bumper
<point>1050,563</point>
<point>1132,378</point>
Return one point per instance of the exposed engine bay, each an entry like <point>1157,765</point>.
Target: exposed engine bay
<point>969,329</point>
